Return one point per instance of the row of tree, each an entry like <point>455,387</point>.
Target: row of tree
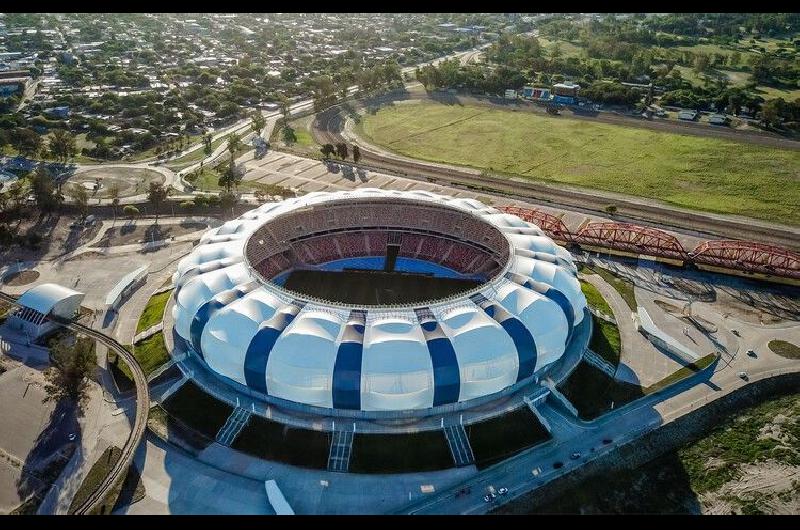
<point>340,150</point>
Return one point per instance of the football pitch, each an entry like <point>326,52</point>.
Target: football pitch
<point>374,287</point>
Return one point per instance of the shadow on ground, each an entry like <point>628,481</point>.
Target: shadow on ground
<point>50,452</point>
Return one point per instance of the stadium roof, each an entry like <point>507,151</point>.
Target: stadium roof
<point>277,343</point>
<point>44,297</point>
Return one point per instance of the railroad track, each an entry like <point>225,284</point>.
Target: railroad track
<point>328,126</point>
<point>140,421</point>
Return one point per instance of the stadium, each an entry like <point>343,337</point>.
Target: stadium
<point>377,303</point>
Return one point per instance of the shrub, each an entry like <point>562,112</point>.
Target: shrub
<point>130,211</point>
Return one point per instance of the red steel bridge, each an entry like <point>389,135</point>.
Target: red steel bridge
<point>747,256</point>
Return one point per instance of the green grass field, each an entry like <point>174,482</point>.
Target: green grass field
<point>151,352</point>
<point>785,349</point>
<point>374,287</point>
<point>606,341</point>
<point>689,171</point>
<point>153,311</point>
<point>622,285</point>
<point>595,299</point>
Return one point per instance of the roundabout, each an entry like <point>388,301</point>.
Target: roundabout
<point>99,182</point>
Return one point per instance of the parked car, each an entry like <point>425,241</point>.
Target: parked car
<point>502,491</point>
<point>574,456</point>
<point>487,498</point>
<point>558,465</point>
<point>751,353</point>
<point>744,375</point>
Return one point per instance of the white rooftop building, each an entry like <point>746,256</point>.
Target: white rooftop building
<point>40,302</point>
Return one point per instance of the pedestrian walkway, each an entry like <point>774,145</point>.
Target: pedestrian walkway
<point>237,421</point>
<point>459,445</point>
<point>341,449</point>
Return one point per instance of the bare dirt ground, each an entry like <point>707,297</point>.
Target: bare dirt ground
<point>130,234</point>
<point>57,238</point>
<point>775,486</point>
<point>21,278</point>
<point>129,181</point>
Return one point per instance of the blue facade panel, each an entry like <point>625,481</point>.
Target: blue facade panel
<point>347,376</point>
<point>446,377</point>
<point>255,360</point>
<point>526,347</point>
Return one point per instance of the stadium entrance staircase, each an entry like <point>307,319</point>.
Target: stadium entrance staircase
<point>459,445</point>
<point>341,449</point>
<point>236,422</point>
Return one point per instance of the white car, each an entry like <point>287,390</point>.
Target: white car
<point>502,491</point>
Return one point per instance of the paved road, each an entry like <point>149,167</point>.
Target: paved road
<point>621,426</point>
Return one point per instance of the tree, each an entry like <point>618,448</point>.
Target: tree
<point>771,111</point>
<point>62,145</point>
<point>26,141</point>
<point>156,195</point>
<point>285,108</point>
<point>701,62</point>
<point>234,143</point>
<point>44,189</point>
<point>208,139</point>
<point>611,208</point>
<point>327,150</point>
<point>227,200</point>
<point>80,197</point>
<point>356,154</point>
<point>113,192</point>
<point>341,150</point>
<point>257,122</point>
<point>131,211</point>
<point>68,376</point>
<point>289,136</point>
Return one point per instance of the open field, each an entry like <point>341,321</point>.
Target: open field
<point>593,393</point>
<point>595,299</point>
<point>129,489</point>
<point>689,171</point>
<point>150,352</point>
<point>623,286</point>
